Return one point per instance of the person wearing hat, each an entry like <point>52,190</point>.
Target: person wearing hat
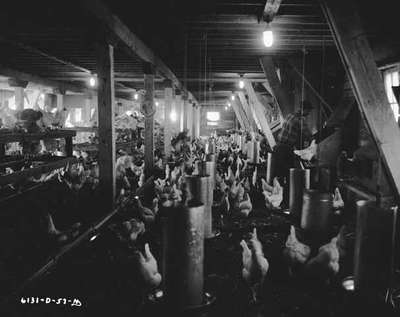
<point>294,135</point>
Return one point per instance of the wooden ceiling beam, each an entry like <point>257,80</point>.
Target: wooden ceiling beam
<point>136,46</point>
<point>9,72</point>
<point>270,10</point>
<point>280,92</point>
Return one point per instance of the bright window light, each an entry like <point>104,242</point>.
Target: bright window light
<point>213,123</point>
<point>213,116</point>
<point>392,79</point>
<point>173,116</point>
<point>78,115</point>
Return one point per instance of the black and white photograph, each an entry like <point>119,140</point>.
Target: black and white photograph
<point>208,158</point>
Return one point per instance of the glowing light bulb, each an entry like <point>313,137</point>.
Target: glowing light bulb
<point>233,97</point>
<point>173,116</point>
<point>41,95</point>
<point>136,96</point>
<point>229,104</point>
<point>226,107</point>
<point>92,81</point>
<point>157,103</point>
<point>241,84</point>
<point>268,37</point>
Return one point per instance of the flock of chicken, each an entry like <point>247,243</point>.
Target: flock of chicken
<point>235,181</point>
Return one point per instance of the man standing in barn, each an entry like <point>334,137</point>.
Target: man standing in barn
<point>294,135</point>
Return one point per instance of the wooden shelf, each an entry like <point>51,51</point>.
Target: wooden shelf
<point>21,136</point>
<point>44,168</point>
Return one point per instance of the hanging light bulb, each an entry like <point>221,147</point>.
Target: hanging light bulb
<point>226,107</point>
<point>241,84</point>
<point>268,36</point>
<point>157,103</point>
<point>232,97</point>
<point>229,104</point>
<point>136,96</point>
<point>92,81</point>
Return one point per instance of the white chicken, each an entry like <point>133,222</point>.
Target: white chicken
<point>175,174</point>
<point>295,251</point>
<point>308,153</point>
<point>255,265</point>
<point>142,180</point>
<point>167,171</point>
<point>148,268</point>
<point>327,259</point>
<point>229,178</point>
<point>338,202</point>
<point>245,206</point>
<point>254,178</point>
<point>273,194</point>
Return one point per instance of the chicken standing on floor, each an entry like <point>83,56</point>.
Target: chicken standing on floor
<point>295,251</point>
<point>255,265</point>
<point>148,268</point>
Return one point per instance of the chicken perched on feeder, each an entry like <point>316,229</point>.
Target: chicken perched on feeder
<point>308,153</point>
<point>273,194</point>
<point>255,265</point>
<point>148,268</point>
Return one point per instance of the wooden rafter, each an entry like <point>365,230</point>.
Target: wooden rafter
<point>260,114</point>
<point>246,109</point>
<point>271,9</point>
<point>134,44</point>
<point>280,93</point>
<point>367,83</point>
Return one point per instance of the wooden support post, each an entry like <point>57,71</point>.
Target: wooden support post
<point>260,113</point>
<point>60,102</point>
<point>198,118</point>
<point>185,111</point>
<point>246,108</point>
<point>367,83</point>
<point>194,120</point>
<point>280,93</point>
<point>167,120</point>
<point>106,131</point>
<point>190,118</point>
<point>178,110</point>
<point>148,111</point>
<point>19,98</point>
<point>86,111</point>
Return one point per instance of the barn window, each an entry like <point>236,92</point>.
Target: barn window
<point>392,79</point>
<point>213,116</point>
